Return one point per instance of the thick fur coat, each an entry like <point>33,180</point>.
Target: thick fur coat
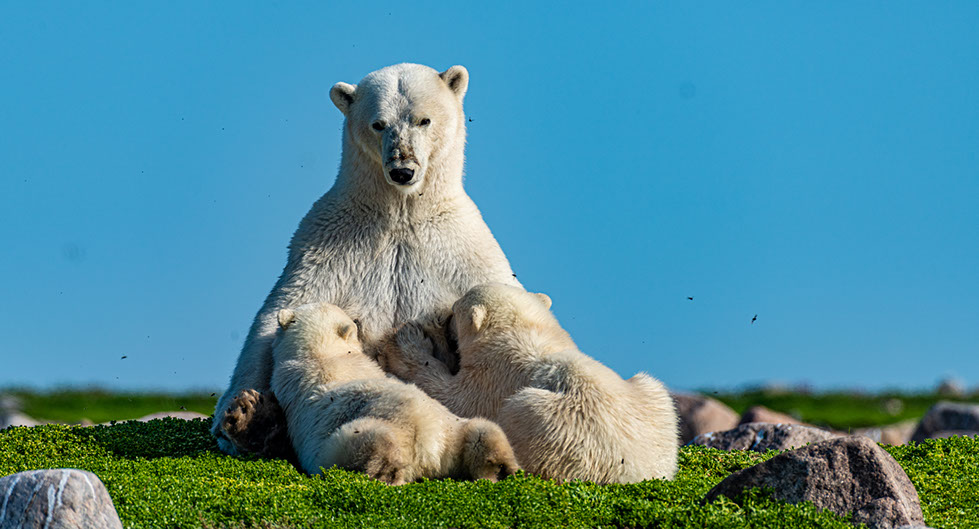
<point>566,415</point>
<point>396,238</point>
<point>341,409</point>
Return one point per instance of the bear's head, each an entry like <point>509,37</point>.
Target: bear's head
<point>494,309</point>
<point>406,120</point>
<point>314,329</point>
<point>486,452</point>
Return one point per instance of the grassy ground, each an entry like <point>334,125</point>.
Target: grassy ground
<point>99,405</point>
<point>838,410</point>
<point>167,473</point>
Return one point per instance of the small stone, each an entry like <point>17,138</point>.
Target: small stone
<point>185,415</point>
<point>15,418</point>
<point>894,434</point>
<point>845,475</point>
<point>761,437</point>
<point>945,434</point>
<point>61,498</point>
<point>945,416</point>
<point>951,387</point>
<point>699,414</point>
<point>9,403</point>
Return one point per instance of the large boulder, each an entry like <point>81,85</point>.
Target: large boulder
<point>64,498</point>
<point>699,414</point>
<point>763,414</point>
<point>845,475</point>
<point>946,416</point>
<point>761,437</point>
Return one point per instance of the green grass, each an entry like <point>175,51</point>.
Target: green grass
<point>839,410</point>
<point>72,405</point>
<point>168,473</point>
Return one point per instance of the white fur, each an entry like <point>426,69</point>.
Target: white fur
<point>341,409</point>
<point>566,415</point>
<point>385,253</point>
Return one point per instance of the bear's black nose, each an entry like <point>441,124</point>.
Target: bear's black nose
<point>402,176</point>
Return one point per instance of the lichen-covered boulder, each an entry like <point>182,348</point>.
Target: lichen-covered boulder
<point>761,437</point>
<point>845,475</point>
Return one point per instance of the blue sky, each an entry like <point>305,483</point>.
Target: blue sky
<point>811,163</point>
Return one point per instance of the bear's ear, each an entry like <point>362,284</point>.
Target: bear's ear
<point>457,78</point>
<point>286,317</point>
<point>477,313</point>
<point>342,95</point>
<point>346,331</point>
<point>545,299</point>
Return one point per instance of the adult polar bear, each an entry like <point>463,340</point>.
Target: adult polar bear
<point>396,238</point>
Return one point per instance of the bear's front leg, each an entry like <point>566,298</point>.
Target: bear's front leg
<point>256,423</point>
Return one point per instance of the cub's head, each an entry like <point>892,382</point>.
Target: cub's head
<point>494,308</point>
<point>404,117</point>
<point>486,452</point>
<point>314,328</point>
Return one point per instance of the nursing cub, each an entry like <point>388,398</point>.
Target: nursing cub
<point>341,409</point>
<point>566,415</point>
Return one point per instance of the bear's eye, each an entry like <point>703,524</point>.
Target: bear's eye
<point>424,121</point>
<point>378,125</point>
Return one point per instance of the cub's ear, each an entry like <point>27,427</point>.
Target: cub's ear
<point>286,317</point>
<point>342,95</point>
<point>477,313</point>
<point>457,78</point>
<point>545,299</point>
<point>346,331</point>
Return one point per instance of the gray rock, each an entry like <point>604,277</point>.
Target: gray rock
<point>947,416</point>
<point>845,475</point>
<point>64,498</point>
<point>761,437</point>
<point>186,415</point>
<point>763,414</point>
<point>15,418</point>
<point>699,414</point>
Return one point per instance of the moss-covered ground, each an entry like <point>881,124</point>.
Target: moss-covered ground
<point>168,473</point>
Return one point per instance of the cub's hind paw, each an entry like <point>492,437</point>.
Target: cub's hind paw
<point>255,423</point>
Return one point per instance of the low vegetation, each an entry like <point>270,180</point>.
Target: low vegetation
<point>840,410</point>
<point>168,473</point>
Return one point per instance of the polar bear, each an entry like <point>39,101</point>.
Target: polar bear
<point>342,409</point>
<point>566,415</point>
<point>396,238</point>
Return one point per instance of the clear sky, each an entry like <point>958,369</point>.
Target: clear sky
<point>811,163</point>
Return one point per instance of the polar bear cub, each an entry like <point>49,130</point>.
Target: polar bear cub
<point>341,409</point>
<point>566,415</point>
